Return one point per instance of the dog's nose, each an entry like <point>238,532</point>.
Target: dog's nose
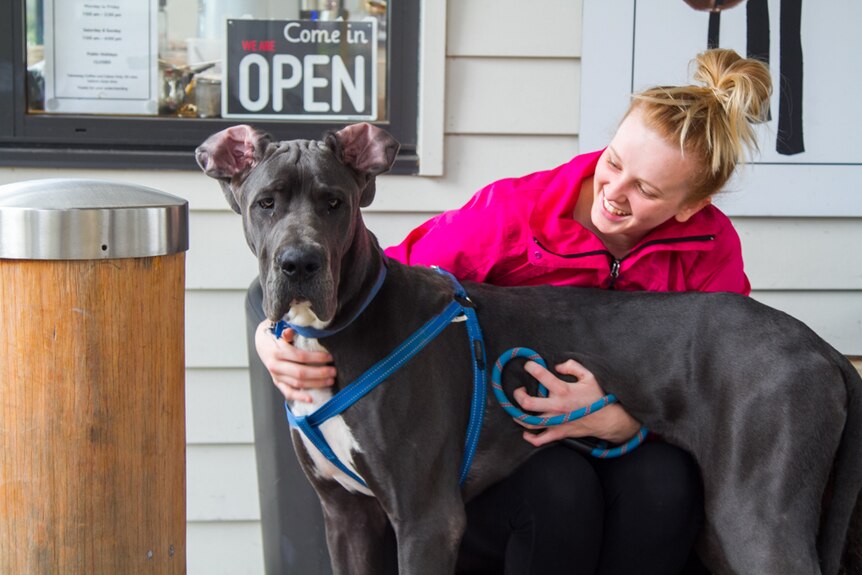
<point>298,264</point>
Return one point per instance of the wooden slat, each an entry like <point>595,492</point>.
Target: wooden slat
<point>802,253</point>
<point>512,96</point>
<point>540,28</point>
<point>222,483</point>
<point>225,548</point>
<point>218,255</point>
<point>218,407</point>
<point>795,190</point>
<point>835,316</point>
<point>215,329</point>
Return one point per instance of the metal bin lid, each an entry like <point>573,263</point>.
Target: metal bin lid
<point>80,219</point>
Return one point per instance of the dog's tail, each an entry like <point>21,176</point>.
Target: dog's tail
<point>841,532</point>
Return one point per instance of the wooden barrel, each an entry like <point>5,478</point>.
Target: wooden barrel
<point>92,465</point>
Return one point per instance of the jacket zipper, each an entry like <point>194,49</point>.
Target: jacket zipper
<point>615,262</point>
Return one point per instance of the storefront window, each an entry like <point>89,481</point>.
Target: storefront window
<point>124,72</point>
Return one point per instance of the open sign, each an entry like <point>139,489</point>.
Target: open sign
<point>283,69</point>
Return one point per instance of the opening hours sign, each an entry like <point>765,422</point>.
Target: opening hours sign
<point>303,69</point>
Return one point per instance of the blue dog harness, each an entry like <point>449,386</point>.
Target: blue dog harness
<point>460,307</point>
<point>350,394</point>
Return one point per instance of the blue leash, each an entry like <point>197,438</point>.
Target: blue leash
<point>602,451</point>
<point>461,305</point>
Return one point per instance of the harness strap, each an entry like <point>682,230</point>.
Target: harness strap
<point>480,386</point>
<point>480,376</point>
<point>320,443</point>
<point>386,367</point>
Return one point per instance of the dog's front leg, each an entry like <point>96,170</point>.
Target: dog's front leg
<point>428,541</point>
<point>358,534</point>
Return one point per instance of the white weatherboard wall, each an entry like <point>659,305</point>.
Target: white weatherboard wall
<point>512,106</point>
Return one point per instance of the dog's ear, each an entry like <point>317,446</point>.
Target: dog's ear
<point>368,150</point>
<point>230,155</point>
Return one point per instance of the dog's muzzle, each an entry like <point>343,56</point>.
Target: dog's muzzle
<point>300,274</point>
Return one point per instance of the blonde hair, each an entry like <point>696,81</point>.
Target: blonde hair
<point>712,121</point>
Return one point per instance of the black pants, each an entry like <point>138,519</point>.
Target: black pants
<point>563,512</point>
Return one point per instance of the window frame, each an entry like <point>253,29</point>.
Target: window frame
<point>87,141</point>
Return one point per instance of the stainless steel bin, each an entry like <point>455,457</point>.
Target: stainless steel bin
<point>92,409</point>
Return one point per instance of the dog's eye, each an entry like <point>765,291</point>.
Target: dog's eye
<point>334,204</point>
<point>266,203</point>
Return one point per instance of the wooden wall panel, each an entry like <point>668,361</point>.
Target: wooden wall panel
<point>215,329</point>
<point>222,483</point>
<point>225,548</point>
<point>802,253</point>
<point>218,407</point>
<point>836,316</point>
<point>539,28</point>
<point>512,96</point>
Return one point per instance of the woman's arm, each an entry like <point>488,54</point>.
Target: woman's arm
<point>472,241</point>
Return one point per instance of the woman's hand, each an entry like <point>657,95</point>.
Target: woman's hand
<point>292,370</point>
<point>611,423</point>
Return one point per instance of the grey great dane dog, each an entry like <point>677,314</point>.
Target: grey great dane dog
<point>770,412</point>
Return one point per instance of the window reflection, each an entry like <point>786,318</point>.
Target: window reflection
<point>189,49</point>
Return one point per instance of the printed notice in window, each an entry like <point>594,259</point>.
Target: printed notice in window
<point>101,56</point>
<point>292,69</point>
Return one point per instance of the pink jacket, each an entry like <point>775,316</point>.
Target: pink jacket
<point>520,232</point>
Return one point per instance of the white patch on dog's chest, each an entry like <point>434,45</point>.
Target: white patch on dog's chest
<point>334,430</point>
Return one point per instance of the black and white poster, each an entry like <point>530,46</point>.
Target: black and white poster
<point>301,69</point>
<point>810,150</point>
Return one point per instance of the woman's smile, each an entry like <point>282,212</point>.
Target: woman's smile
<point>614,212</point>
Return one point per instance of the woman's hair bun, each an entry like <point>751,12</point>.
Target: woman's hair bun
<point>742,86</point>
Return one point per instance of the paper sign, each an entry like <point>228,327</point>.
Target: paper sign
<point>301,69</point>
<point>101,56</point>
